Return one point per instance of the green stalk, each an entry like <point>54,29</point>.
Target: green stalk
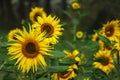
<point>118,64</point>
<point>74,32</point>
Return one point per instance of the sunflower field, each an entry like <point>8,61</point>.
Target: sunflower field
<point>47,47</point>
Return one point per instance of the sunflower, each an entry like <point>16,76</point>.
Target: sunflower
<point>79,34</point>
<point>75,5</point>
<point>111,29</point>
<point>68,74</point>
<point>106,63</point>
<point>35,12</point>
<point>95,37</point>
<point>51,26</point>
<point>12,33</point>
<point>73,55</point>
<point>29,50</point>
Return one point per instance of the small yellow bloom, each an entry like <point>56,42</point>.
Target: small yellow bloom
<point>79,34</point>
<point>75,5</point>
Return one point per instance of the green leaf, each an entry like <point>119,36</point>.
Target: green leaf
<point>75,21</point>
<point>105,40</point>
<point>57,54</point>
<point>57,68</point>
<point>114,51</point>
<point>9,62</point>
<point>100,60</point>
<point>67,61</point>
<point>43,78</point>
<point>67,13</point>
<point>3,44</point>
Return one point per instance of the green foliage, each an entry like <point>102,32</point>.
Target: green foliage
<point>58,62</point>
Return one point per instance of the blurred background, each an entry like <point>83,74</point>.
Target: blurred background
<point>12,12</point>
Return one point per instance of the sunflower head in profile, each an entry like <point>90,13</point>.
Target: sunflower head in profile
<point>50,25</point>
<point>67,75</point>
<point>75,5</point>
<point>104,61</point>
<point>79,34</point>
<point>35,12</point>
<point>111,29</point>
<point>12,33</point>
<point>29,50</point>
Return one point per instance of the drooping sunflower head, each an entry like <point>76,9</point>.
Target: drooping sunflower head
<point>68,74</point>
<point>73,55</point>
<point>35,12</point>
<point>79,34</point>
<point>111,29</point>
<point>29,50</point>
<point>50,25</point>
<point>104,61</point>
<point>75,5</point>
<point>12,33</point>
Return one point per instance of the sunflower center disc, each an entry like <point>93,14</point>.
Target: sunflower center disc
<point>36,15</point>
<point>48,28</point>
<point>109,31</point>
<point>30,48</point>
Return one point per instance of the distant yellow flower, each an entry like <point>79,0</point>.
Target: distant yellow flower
<point>50,25</point>
<point>12,33</point>
<point>75,5</point>
<point>35,12</point>
<point>69,74</point>
<point>106,63</point>
<point>29,50</point>
<point>72,55</point>
<point>111,29</point>
<point>79,34</point>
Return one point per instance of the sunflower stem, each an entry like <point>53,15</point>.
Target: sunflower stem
<point>118,64</point>
<point>2,65</point>
<point>74,31</point>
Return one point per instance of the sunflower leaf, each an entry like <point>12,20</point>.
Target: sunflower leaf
<point>57,54</point>
<point>52,69</point>
<point>100,60</point>
<point>105,40</point>
<point>67,13</point>
<point>67,61</point>
<point>43,78</point>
